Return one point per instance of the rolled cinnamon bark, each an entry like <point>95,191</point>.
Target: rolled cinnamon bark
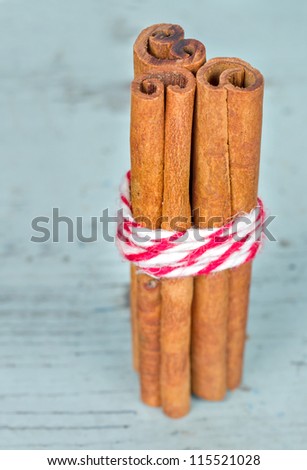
<point>225,177</point>
<point>147,154</point>
<point>156,46</point>
<point>211,199</point>
<point>134,318</point>
<point>177,293</point>
<point>164,44</point>
<point>244,134</point>
<point>154,121</point>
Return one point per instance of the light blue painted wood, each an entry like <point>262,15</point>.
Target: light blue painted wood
<point>66,380</point>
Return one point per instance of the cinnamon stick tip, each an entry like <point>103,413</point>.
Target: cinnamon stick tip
<point>230,72</point>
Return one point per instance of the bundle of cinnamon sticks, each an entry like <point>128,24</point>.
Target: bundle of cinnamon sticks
<point>195,150</point>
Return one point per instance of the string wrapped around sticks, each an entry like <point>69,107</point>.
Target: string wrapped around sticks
<point>168,254</point>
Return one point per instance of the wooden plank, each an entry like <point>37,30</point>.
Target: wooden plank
<point>65,368</point>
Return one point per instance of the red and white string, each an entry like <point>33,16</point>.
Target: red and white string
<point>167,254</point>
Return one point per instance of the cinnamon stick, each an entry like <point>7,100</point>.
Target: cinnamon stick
<point>134,318</point>
<point>244,134</point>
<point>164,44</point>
<point>160,154</point>
<point>147,153</point>
<point>225,176</point>
<point>177,293</point>
<point>156,46</point>
<point>211,199</point>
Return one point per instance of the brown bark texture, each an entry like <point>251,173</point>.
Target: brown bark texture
<point>226,157</point>
<point>155,117</point>
<point>159,45</point>
<point>177,293</point>
<point>134,318</point>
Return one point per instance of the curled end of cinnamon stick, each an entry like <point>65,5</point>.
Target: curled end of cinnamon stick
<point>230,73</point>
<point>164,44</point>
<point>151,84</point>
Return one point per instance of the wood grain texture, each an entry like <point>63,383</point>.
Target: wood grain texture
<point>65,364</point>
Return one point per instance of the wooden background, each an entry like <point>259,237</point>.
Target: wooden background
<point>65,368</point>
